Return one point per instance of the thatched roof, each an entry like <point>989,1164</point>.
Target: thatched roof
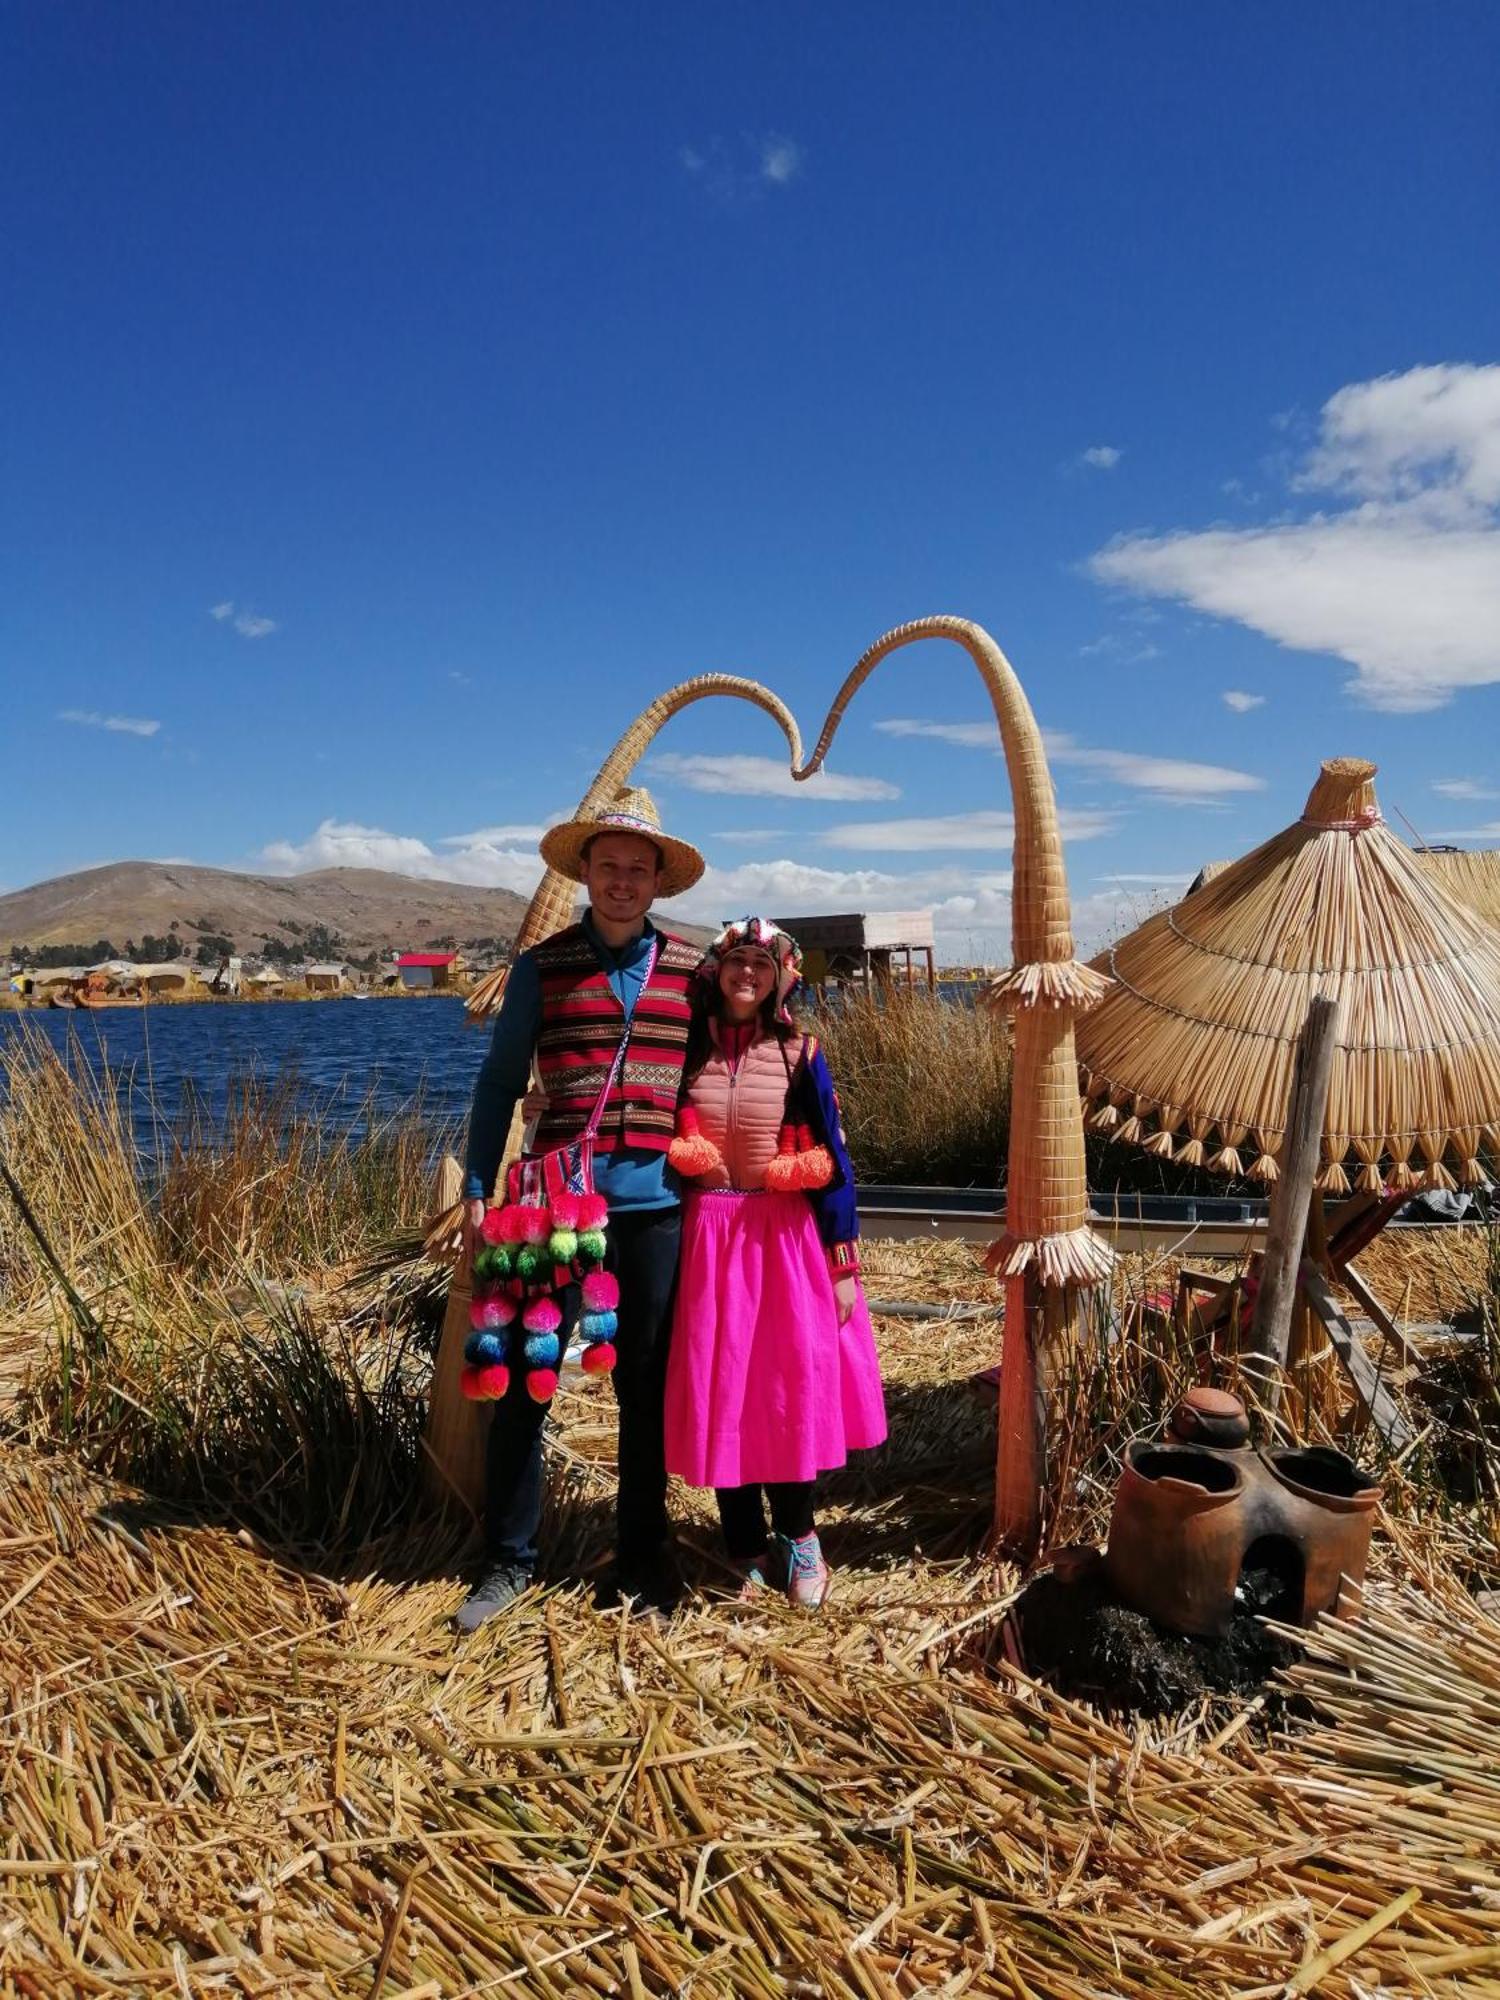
<point>1470,875</point>
<point>1191,1052</point>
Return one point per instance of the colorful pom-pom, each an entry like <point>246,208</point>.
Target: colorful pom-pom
<point>493,1312</point>
<point>543,1315</point>
<point>492,1225</point>
<point>565,1210</point>
<point>598,1359</point>
<point>601,1291</point>
<point>502,1260</point>
<point>530,1259</point>
<point>599,1325</point>
<point>591,1245</point>
<point>512,1223</point>
<point>485,1385</point>
<point>542,1350</point>
<point>541,1384</point>
<point>536,1225</point>
<point>485,1350</point>
<point>593,1211</point>
<point>817,1166</point>
<point>784,1174</point>
<point>482,1269</point>
<point>692,1155</point>
<point>562,1246</point>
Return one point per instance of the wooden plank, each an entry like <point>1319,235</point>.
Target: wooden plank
<point>1358,1366</point>
<point>1352,1282</point>
<point>1291,1195</point>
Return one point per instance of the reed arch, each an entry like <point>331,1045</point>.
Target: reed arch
<point>1048,1251</point>
<point>551,908</point>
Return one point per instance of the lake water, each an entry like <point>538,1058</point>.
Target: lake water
<point>341,1054</point>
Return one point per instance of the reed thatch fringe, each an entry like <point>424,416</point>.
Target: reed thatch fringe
<point>1068,983</point>
<point>1081,1257</point>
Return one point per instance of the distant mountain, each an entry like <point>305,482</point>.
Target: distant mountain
<point>365,908</point>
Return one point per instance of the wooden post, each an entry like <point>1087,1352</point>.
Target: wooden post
<point>1286,1224</point>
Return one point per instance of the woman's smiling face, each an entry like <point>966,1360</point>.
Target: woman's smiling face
<point>747,978</point>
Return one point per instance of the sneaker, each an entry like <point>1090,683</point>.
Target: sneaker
<point>754,1574</point>
<point>652,1585</point>
<point>808,1580</point>
<point>498,1585</point>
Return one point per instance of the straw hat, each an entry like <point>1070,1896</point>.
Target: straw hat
<point>633,811</point>
<point>1190,1054</point>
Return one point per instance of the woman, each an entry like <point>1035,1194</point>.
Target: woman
<point>772,1375</point>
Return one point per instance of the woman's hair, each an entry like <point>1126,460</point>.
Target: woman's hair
<point>708,1005</point>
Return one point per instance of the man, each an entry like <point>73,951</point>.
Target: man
<point>566,1006</point>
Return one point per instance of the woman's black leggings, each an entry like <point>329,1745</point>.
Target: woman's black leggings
<point>743,1514</point>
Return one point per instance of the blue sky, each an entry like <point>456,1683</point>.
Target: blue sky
<point>397,398</point>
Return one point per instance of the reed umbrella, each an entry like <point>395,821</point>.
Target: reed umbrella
<point>1048,1250</point>
<point>1190,1054</point>
<point>456,1427</point>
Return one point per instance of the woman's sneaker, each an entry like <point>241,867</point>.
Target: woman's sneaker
<point>754,1573</point>
<point>808,1580</point>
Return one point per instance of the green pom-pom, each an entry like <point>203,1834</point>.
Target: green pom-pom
<point>591,1245</point>
<point>532,1258</point>
<point>484,1268</point>
<point>502,1260</point>
<point>562,1246</point>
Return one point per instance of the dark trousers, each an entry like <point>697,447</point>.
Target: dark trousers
<point>642,1254</point>
<point>743,1516</point>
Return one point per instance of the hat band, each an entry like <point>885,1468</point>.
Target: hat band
<point>629,821</point>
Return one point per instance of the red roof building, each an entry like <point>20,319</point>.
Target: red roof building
<point>429,970</point>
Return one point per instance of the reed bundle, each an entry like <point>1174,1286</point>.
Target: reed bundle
<point>1190,1055</point>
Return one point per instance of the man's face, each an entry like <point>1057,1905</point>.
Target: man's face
<point>621,872</point>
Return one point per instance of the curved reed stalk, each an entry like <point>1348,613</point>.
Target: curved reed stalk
<point>1048,1249</point>
<point>552,906</point>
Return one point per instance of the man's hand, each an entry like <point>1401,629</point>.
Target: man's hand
<point>473,1216</point>
<point>845,1297</point>
<point>533,1104</point>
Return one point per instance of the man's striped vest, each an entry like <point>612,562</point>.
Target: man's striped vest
<point>582,1022</point>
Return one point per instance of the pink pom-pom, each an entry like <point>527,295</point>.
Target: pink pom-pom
<point>784,1174</point>
<point>541,1384</point>
<point>565,1210</point>
<point>601,1291</point>
<point>492,1228</point>
<point>694,1154</point>
<point>536,1226</point>
<point>542,1316</point>
<point>512,1223</point>
<point>599,1358</point>
<point>485,1385</point>
<point>593,1211</point>
<point>486,1314</point>
<point>817,1167</point>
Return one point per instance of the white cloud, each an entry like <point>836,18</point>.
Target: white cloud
<point>780,159</point>
<point>1240,702</point>
<point>501,836</point>
<point>1463,788</point>
<point>742,170</point>
<point>1402,580</point>
<point>763,777</point>
<point>249,624</point>
<point>752,835</point>
<point>969,832</point>
<point>1173,780</point>
<point>492,858</point>
<point>1103,457</point>
<point>122,725</point>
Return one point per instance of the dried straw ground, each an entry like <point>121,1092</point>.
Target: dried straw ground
<point>223,1774</point>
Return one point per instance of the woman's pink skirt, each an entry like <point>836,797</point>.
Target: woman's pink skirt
<point>763,1384</point>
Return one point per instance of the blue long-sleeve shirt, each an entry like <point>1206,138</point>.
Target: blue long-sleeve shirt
<point>835,1206</point>
<point>630,1177</point>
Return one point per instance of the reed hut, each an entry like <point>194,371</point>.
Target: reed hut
<point>1470,875</point>
<point>1190,1053</point>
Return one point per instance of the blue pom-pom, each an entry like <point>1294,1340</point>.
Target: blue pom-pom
<point>489,1349</point>
<point>599,1326</point>
<point>543,1350</point>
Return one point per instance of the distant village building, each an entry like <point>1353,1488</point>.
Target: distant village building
<point>328,979</point>
<point>430,971</point>
<point>173,977</point>
<point>865,946</point>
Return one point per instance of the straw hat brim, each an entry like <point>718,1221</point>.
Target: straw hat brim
<point>562,849</point>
